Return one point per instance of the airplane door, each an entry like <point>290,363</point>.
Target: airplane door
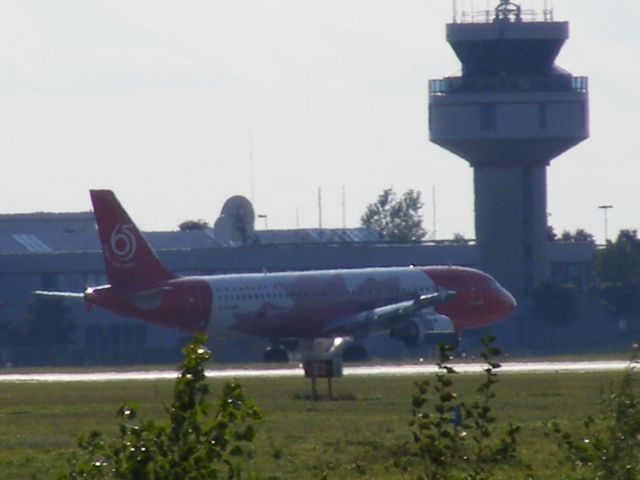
<point>476,293</point>
<point>195,302</point>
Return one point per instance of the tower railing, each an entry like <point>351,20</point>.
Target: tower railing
<point>557,83</point>
<point>489,16</point>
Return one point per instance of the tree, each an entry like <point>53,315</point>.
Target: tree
<point>194,225</point>
<point>459,239</point>
<point>617,272</point>
<point>579,235</point>
<point>48,323</point>
<point>396,219</point>
<point>44,335</point>
<point>5,333</point>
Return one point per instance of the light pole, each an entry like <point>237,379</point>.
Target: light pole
<point>266,221</point>
<point>605,209</point>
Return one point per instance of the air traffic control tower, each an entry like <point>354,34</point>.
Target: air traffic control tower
<point>509,113</point>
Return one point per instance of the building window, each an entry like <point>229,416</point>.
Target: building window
<point>49,281</point>
<point>430,118</point>
<point>576,274</point>
<point>542,116</point>
<point>488,116</point>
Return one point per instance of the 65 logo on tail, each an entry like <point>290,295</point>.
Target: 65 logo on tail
<point>122,246</point>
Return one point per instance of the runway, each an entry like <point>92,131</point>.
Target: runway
<point>373,370</point>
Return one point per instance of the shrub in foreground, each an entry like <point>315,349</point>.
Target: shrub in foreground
<point>454,439</point>
<point>609,446</point>
<point>195,442</point>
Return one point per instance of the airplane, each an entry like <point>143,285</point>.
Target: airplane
<point>411,304</point>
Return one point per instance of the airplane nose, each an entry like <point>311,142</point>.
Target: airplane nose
<point>510,301</point>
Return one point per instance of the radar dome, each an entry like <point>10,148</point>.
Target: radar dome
<point>236,221</point>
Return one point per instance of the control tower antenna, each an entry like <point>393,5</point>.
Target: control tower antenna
<point>508,11</point>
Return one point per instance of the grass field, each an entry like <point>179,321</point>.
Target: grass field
<point>350,437</point>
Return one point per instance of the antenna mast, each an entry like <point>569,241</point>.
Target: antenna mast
<point>251,179</point>
<point>508,11</point>
<point>344,208</point>
<point>320,208</point>
<point>434,211</point>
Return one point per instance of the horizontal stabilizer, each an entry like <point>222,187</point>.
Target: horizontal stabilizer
<point>42,293</point>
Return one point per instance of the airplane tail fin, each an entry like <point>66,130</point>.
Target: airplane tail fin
<point>128,257</point>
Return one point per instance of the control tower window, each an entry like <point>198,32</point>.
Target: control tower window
<point>542,116</point>
<point>430,118</point>
<point>488,116</point>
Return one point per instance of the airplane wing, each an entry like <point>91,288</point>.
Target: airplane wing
<point>387,316</point>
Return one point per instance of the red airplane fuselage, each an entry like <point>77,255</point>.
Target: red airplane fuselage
<point>301,304</point>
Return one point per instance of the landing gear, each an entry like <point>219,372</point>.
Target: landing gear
<point>355,353</point>
<point>452,339</point>
<point>275,355</point>
<point>408,334</point>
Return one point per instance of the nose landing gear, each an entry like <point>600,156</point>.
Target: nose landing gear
<point>355,353</point>
<point>275,354</point>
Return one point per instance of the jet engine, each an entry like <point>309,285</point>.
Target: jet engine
<point>425,328</point>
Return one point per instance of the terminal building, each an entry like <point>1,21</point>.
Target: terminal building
<point>509,113</point>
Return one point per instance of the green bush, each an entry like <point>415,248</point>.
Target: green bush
<point>195,442</point>
<point>453,439</point>
<point>609,447</point>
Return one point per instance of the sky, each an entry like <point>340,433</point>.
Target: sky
<point>178,105</point>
